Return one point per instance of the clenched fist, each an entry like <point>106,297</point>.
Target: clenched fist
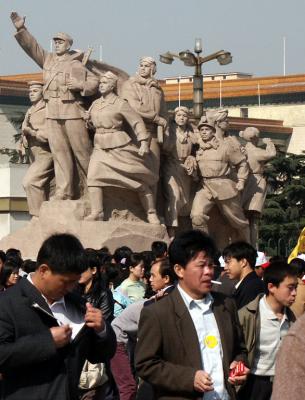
<point>94,318</point>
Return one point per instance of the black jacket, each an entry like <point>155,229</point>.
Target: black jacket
<point>250,287</point>
<point>32,367</point>
<point>103,300</point>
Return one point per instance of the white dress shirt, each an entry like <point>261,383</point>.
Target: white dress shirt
<point>64,314</point>
<point>210,342</point>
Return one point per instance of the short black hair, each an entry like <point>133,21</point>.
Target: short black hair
<point>63,253</point>
<point>299,264</point>
<point>276,272</point>
<point>28,266</point>
<point>8,268</point>
<point>15,258</point>
<point>12,252</point>
<point>135,259</point>
<point>166,269</point>
<point>240,250</point>
<point>186,245</point>
<point>121,253</point>
<point>159,248</point>
<point>111,273</point>
<point>104,256</point>
<point>148,259</point>
<point>93,260</point>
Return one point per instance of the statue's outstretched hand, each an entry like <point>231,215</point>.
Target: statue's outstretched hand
<point>17,20</point>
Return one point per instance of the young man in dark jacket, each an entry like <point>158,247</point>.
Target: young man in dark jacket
<point>47,333</point>
<point>240,259</point>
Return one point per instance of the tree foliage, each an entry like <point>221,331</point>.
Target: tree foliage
<point>18,154</point>
<point>284,214</point>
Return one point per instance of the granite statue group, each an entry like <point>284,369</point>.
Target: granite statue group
<point>176,168</point>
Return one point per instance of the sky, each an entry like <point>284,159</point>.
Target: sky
<point>121,31</point>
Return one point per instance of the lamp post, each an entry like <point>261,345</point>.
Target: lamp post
<point>195,60</point>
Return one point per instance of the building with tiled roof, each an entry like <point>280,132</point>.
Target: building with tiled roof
<point>279,99</point>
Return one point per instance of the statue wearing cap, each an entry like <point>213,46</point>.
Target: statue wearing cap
<point>146,97</point>
<point>215,158</point>
<point>66,82</point>
<point>254,194</point>
<point>177,168</point>
<point>38,177</point>
<point>220,120</point>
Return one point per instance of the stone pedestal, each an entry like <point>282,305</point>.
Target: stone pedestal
<point>67,217</point>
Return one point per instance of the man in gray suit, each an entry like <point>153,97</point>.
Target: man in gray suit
<point>66,83</point>
<point>189,341</point>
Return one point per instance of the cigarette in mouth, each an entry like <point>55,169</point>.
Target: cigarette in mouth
<point>216,282</point>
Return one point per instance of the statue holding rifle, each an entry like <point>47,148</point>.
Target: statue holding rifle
<point>66,81</point>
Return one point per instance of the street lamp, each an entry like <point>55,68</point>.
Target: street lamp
<point>195,60</point>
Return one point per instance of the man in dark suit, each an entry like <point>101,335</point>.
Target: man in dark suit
<point>47,333</point>
<point>189,341</point>
<point>240,260</point>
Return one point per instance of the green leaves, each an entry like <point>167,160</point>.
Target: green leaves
<point>284,214</point>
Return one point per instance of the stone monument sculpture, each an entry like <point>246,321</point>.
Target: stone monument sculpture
<point>133,146</point>
<point>254,193</point>
<point>117,161</point>
<point>37,180</point>
<point>220,120</point>
<point>177,167</point>
<point>215,159</point>
<point>66,82</point>
<point>146,97</point>
<point>126,184</point>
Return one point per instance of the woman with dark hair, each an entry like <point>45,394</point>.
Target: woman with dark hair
<point>9,275</point>
<point>132,288</point>
<point>121,157</point>
<point>121,257</point>
<point>93,288</point>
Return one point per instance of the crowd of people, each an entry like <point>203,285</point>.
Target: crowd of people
<point>183,322</point>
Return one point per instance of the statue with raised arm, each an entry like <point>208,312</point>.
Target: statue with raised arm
<point>37,179</point>
<point>66,81</point>
<point>215,158</point>
<point>145,96</point>
<point>254,193</point>
<point>119,159</point>
<point>177,168</point>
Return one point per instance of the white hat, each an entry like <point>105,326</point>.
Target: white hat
<point>260,259</point>
<point>301,256</point>
<point>221,261</point>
